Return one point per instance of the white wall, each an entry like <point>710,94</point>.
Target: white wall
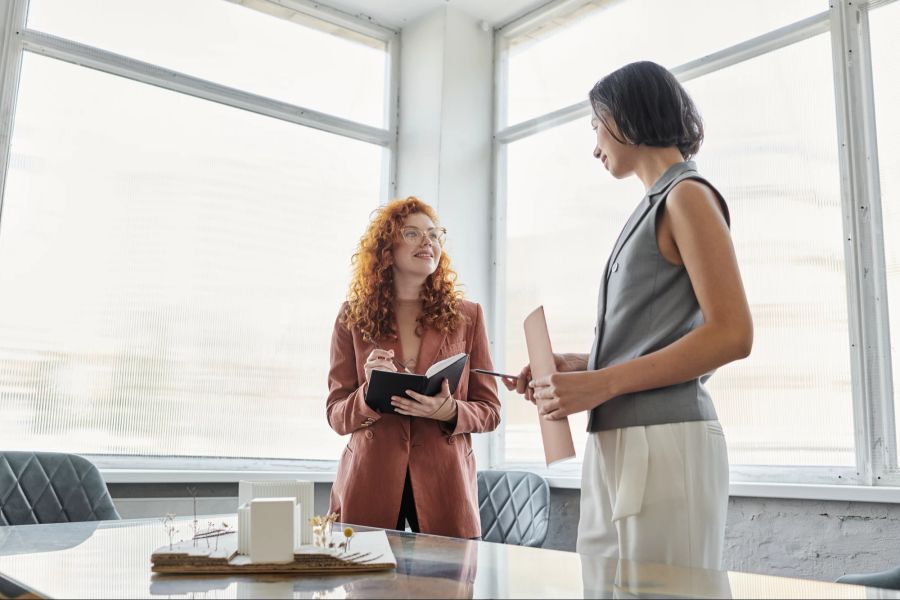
<point>445,134</point>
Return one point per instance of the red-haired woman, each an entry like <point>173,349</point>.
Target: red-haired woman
<point>403,309</point>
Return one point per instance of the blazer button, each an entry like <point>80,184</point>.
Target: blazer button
<point>369,434</point>
<point>615,267</point>
<point>451,440</point>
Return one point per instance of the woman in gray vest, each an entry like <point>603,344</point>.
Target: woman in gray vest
<point>671,310</point>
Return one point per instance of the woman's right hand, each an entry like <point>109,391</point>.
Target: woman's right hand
<point>565,363</point>
<point>382,360</point>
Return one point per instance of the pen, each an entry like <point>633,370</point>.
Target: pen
<point>494,373</point>
<point>402,366</point>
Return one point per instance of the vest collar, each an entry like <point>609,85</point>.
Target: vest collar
<point>670,175</point>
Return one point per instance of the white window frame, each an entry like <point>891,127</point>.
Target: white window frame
<point>16,39</point>
<point>869,343</point>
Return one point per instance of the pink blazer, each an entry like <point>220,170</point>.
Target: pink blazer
<point>372,469</point>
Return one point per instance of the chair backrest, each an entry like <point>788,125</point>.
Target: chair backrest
<point>51,487</point>
<point>889,579</point>
<point>514,507</point>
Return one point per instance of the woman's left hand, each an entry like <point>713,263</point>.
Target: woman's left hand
<point>441,407</point>
<point>561,394</point>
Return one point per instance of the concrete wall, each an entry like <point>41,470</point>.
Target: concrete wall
<point>792,538</point>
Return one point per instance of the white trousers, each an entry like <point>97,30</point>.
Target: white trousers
<point>656,494</point>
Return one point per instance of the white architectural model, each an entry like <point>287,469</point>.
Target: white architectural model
<point>266,530</point>
<point>270,512</point>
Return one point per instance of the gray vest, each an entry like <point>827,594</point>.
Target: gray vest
<point>645,304</point>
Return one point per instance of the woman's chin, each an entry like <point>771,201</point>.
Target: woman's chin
<point>423,270</point>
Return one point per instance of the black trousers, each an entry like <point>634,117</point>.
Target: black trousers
<point>408,508</point>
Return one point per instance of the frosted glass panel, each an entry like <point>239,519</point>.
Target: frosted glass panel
<point>557,65</point>
<point>771,147</point>
<point>271,51</point>
<point>171,269</point>
<point>884,24</point>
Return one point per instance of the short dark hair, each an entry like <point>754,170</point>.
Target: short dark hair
<point>650,107</point>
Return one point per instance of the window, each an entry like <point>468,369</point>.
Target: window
<point>562,219</point>
<point>555,64</point>
<point>884,23</point>
<point>774,155</point>
<point>270,50</point>
<point>172,267</point>
<point>771,146</point>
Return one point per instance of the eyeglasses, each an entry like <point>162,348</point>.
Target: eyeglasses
<point>414,236</point>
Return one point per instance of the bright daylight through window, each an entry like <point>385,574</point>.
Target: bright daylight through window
<point>160,295</point>
<point>771,147</point>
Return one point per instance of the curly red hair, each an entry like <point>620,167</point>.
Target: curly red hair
<point>371,297</point>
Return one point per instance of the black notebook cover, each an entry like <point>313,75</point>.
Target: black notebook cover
<point>384,384</point>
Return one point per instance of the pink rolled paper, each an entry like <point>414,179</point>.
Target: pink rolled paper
<point>556,435</point>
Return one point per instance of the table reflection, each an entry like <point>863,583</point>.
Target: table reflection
<point>112,560</point>
<point>606,578</point>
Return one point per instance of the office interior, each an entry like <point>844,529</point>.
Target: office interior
<point>185,181</point>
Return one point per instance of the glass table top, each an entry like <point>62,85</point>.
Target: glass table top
<point>111,559</point>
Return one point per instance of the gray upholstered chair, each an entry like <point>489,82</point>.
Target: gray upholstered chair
<point>889,579</point>
<point>514,507</point>
<point>51,487</point>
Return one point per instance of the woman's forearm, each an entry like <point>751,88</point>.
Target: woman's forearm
<point>702,350</point>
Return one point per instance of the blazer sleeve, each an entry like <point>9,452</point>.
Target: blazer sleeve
<point>480,410</point>
<point>346,405</point>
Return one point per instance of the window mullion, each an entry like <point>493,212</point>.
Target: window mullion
<point>497,315</point>
<point>11,23</point>
<point>109,62</point>
<point>863,244</point>
<point>392,84</point>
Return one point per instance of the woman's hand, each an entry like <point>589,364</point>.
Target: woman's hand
<point>565,363</point>
<point>382,360</point>
<point>561,394</point>
<point>441,407</point>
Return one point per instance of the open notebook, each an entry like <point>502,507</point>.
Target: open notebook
<point>384,384</point>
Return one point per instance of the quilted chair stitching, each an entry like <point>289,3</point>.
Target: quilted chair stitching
<point>31,503</point>
<point>80,489</point>
<point>502,481</point>
<point>482,504</point>
<point>77,489</point>
<point>530,532</point>
<point>530,523</point>
<point>12,474</point>
<point>511,502</point>
<point>15,487</point>
<point>494,488</point>
<point>488,500</point>
<point>81,470</point>
<point>498,510</point>
<point>74,490</point>
<point>99,485</point>
<point>518,510</point>
<point>101,492</point>
<point>50,479</point>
